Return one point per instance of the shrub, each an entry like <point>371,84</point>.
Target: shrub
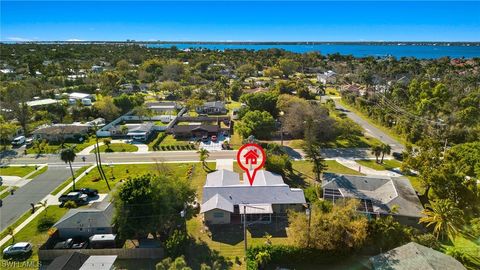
<point>70,205</point>
<point>45,223</point>
<point>175,244</point>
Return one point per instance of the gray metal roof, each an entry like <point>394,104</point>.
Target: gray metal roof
<point>216,104</point>
<point>384,192</point>
<point>217,202</point>
<point>269,189</point>
<point>99,262</point>
<point>97,216</point>
<point>413,256</point>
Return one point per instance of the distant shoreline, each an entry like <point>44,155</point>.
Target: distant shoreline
<point>392,43</point>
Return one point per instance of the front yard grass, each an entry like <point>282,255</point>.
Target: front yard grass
<point>55,148</point>
<point>20,171</point>
<point>118,147</point>
<point>69,180</point>
<point>171,141</point>
<point>31,234</point>
<point>38,172</point>
<point>304,169</point>
<point>386,165</point>
<point>119,172</point>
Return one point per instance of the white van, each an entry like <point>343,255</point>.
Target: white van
<point>19,140</point>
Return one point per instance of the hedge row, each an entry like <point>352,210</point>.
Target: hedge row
<point>158,140</point>
<point>176,147</point>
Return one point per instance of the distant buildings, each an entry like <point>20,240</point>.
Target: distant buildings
<point>212,107</point>
<point>225,198</point>
<point>39,103</point>
<point>328,77</point>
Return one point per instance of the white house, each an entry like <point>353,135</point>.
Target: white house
<point>226,199</point>
<point>327,77</point>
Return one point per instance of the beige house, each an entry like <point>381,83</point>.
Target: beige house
<point>227,200</point>
<point>56,133</point>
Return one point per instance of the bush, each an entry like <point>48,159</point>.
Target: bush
<point>428,240</point>
<point>45,223</point>
<point>175,244</point>
<point>159,140</point>
<point>70,205</point>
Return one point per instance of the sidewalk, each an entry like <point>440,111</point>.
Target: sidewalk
<point>51,200</point>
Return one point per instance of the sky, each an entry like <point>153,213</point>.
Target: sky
<point>239,21</point>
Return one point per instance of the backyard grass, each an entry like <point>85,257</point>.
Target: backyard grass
<point>20,171</point>
<point>31,234</point>
<point>118,147</point>
<point>236,140</point>
<point>119,172</point>
<point>233,105</point>
<point>386,165</point>
<point>69,180</point>
<point>416,184</point>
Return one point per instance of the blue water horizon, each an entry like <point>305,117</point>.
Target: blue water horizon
<point>357,50</point>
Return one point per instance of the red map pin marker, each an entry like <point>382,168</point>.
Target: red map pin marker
<point>251,157</point>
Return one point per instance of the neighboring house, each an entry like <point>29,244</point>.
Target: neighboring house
<point>41,102</point>
<point>59,132</point>
<point>80,96</point>
<point>212,107</point>
<point>328,77</point>
<point>377,195</point>
<point>225,197</point>
<point>103,262</point>
<point>70,261</point>
<point>413,256</point>
<point>354,88</point>
<point>97,69</point>
<point>7,71</point>
<point>127,88</point>
<point>161,107</point>
<point>197,131</point>
<point>79,261</point>
<point>85,222</point>
<point>140,132</point>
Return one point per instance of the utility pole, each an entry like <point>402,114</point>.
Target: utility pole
<point>245,227</point>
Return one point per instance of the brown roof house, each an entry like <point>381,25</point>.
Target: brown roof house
<point>59,132</point>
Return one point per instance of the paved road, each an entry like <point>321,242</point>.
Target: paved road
<point>15,205</point>
<point>370,129</point>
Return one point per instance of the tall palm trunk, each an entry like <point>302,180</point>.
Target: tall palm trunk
<point>99,166</point>
<point>73,175</point>
<point>383,155</point>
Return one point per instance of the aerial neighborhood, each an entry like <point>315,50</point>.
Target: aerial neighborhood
<point>123,155</point>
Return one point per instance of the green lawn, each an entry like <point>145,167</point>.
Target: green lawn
<point>31,234</point>
<point>20,171</point>
<point>5,194</point>
<point>69,180</point>
<point>118,147</point>
<point>233,105</point>
<point>416,183</point>
<point>386,165</point>
<point>55,148</point>
<point>116,173</point>
<point>171,141</point>
<point>305,168</point>
<point>38,172</point>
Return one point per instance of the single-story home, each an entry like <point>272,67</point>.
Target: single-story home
<point>80,96</point>
<point>85,222</point>
<point>41,102</point>
<point>59,132</point>
<point>327,77</point>
<point>377,195</point>
<point>197,131</point>
<point>140,132</point>
<point>161,107</point>
<point>76,260</point>
<point>226,199</point>
<point>212,107</point>
<point>413,256</point>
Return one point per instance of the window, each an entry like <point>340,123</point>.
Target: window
<point>218,214</point>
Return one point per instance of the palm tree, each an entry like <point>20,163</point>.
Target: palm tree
<point>68,156</point>
<point>204,154</point>
<point>377,150</point>
<point>446,218</point>
<point>98,159</point>
<point>386,149</point>
<point>313,153</point>
<point>107,143</point>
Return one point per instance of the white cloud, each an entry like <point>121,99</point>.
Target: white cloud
<point>74,39</point>
<point>18,39</point>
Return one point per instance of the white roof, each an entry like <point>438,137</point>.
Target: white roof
<point>41,102</point>
<point>217,202</point>
<point>103,237</point>
<point>260,208</point>
<point>222,178</point>
<point>99,262</point>
<point>265,178</point>
<point>77,95</point>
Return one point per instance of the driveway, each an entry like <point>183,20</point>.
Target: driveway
<point>33,192</point>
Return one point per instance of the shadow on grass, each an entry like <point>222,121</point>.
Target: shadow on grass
<point>231,234</point>
<point>297,179</point>
<point>198,253</point>
<point>276,229</point>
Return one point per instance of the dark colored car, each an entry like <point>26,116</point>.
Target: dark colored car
<point>397,155</point>
<point>64,244</point>
<point>205,139</point>
<point>90,192</point>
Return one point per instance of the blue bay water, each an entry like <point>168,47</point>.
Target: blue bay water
<point>357,50</point>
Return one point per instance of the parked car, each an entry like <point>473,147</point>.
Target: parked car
<point>214,138</point>
<point>29,141</point>
<point>397,155</point>
<point>19,141</point>
<point>20,248</point>
<point>79,245</point>
<point>77,197</point>
<point>64,244</point>
<point>90,192</point>
<point>205,139</point>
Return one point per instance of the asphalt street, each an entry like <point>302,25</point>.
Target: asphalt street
<point>15,205</point>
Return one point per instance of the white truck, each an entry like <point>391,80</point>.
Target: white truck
<point>20,140</point>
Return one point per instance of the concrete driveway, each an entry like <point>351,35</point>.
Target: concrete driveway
<point>33,192</point>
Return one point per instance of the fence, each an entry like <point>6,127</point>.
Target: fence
<point>122,253</point>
